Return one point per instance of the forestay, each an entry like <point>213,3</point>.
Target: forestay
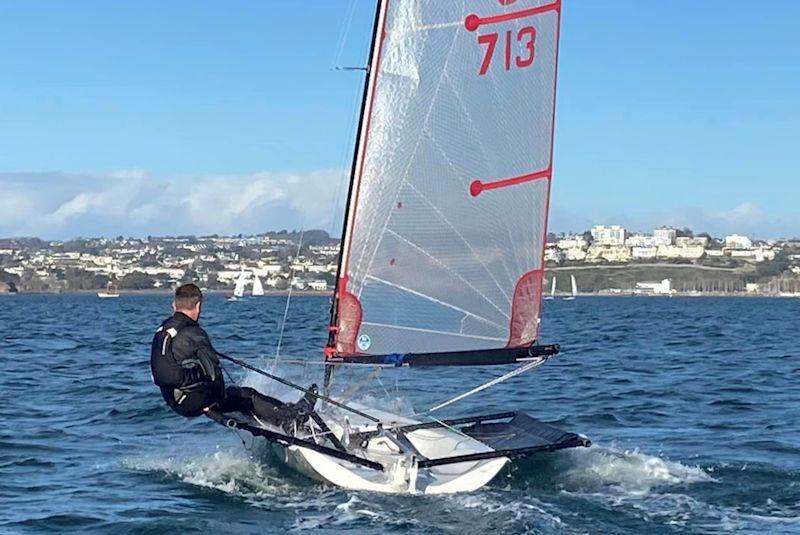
<point>446,224</point>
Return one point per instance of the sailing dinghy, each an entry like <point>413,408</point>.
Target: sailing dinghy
<point>443,245</point>
<point>258,288</point>
<point>552,290</point>
<point>239,287</point>
<point>573,289</point>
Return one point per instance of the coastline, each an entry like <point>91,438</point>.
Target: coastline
<point>329,293</point>
<point>169,291</point>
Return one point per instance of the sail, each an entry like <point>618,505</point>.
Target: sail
<point>258,288</point>
<point>553,287</point>
<point>574,286</point>
<point>445,228</point>
<point>241,284</point>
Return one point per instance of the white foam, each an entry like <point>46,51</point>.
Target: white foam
<point>626,471</point>
<point>496,503</point>
<point>232,472</point>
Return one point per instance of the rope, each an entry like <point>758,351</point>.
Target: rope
<point>290,384</point>
<point>513,373</point>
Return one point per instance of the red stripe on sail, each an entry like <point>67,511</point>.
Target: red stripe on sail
<point>525,309</point>
<point>477,187</point>
<point>473,22</point>
<point>350,314</point>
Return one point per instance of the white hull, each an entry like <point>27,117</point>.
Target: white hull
<point>400,474</point>
<point>104,295</point>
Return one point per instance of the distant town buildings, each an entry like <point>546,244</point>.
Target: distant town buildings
<point>280,261</point>
<point>214,262</point>
<point>615,244</point>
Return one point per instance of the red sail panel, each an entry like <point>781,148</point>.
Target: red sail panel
<point>445,231</point>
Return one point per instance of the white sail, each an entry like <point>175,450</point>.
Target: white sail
<point>553,287</point>
<point>241,284</point>
<point>258,288</point>
<point>446,224</point>
<point>574,286</point>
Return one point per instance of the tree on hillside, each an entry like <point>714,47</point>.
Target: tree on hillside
<point>136,281</point>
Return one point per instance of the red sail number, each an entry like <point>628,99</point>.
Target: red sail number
<point>526,37</point>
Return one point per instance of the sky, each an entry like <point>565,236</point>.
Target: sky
<point>196,117</point>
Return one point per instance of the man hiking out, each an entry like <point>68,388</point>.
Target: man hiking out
<point>186,368</point>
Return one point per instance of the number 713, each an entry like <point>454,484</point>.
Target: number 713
<point>526,37</point>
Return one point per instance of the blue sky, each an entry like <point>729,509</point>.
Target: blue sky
<point>679,112</point>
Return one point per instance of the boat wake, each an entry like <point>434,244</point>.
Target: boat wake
<point>625,472</point>
<point>538,492</point>
<point>228,471</point>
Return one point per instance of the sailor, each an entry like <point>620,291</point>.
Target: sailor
<point>186,368</point>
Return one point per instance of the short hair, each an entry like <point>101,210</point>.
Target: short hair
<point>187,296</point>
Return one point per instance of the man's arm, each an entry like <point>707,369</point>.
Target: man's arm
<point>207,356</point>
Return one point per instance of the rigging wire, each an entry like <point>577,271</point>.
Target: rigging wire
<point>288,300</point>
<point>345,32</point>
<point>513,373</point>
<point>346,148</point>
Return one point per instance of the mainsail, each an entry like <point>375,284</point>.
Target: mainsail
<point>443,245</point>
<point>241,284</point>
<point>258,288</point>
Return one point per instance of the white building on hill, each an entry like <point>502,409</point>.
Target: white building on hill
<point>654,288</point>
<point>641,240</point>
<point>737,241</point>
<point>576,241</point>
<point>665,236</point>
<point>613,235</point>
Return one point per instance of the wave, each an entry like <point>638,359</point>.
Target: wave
<point>541,494</point>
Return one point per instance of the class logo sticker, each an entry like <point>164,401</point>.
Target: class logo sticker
<point>364,341</point>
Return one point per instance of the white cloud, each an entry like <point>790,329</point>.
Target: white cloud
<point>131,202</point>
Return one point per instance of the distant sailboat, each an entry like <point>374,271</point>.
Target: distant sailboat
<point>258,288</point>
<point>552,290</point>
<point>574,289</point>
<point>111,291</point>
<point>241,284</point>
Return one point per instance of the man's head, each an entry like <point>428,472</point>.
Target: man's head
<point>188,300</point>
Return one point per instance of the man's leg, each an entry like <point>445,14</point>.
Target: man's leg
<point>249,401</point>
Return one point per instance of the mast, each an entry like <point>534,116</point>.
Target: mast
<point>353,171</point>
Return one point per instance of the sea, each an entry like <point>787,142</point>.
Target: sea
<point>692,405</point>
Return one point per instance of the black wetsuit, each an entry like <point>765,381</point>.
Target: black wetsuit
<point>185,366</point>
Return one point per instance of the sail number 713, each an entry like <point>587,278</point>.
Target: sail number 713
<point>524,41</point>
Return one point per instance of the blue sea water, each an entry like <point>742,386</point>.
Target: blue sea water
<point>693,405</point>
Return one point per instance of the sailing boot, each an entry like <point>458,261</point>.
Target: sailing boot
<point>298,413</point>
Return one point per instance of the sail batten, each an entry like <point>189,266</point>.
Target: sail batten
<point>443,244</point>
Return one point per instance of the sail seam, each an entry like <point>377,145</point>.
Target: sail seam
<point>434,300</point>
<point>461,237</point>
<point>450,270</point>
<point>413,155</point>
<point>433,331</point>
